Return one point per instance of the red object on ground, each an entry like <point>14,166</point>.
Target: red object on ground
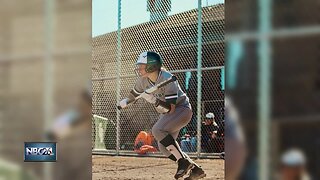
<point>143,143</point>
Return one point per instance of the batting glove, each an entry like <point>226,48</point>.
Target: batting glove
<point>123,103</point>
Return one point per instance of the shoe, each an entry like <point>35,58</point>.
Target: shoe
<point>184,165</point>
<point>196,173</point>
<point>222,155</point>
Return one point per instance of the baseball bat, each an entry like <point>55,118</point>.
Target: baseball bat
<point>153,89</point>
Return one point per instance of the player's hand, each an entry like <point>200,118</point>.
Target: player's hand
<point>123,103</point>
<point>149,97</point>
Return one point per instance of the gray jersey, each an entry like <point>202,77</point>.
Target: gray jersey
<point>171,93</point>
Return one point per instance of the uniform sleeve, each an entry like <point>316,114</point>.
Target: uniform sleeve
<point>136,90</point>
<point>171,93</point>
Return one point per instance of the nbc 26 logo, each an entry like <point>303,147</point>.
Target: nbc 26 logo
<point>40,151</point>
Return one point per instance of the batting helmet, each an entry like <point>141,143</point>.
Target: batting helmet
<point>152,59</point>
<point>210,115</point>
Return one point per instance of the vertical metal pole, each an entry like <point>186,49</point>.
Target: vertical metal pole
<point>48,74</point>
<point>199,77</point>
<point>118,75</point>
<point>264,52</point>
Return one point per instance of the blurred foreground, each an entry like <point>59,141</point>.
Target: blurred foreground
<point>272,75</point>
<point>45,55</point>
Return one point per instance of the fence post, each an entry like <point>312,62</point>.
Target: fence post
<point>48,75</point>
<point>118,76</point>
<point>264,88</point>
<point>199,77</point>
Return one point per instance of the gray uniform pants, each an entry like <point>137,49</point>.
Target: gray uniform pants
<point>171,124</point>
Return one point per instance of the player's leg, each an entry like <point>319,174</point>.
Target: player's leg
<point>167,153</point>
<point>163,130</point>
<point>166,129</point>
<point>175,136</point>
<point>196,172</point>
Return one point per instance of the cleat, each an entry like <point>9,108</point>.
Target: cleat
<point>184,165</point>
<point>222,155</point>
<point>196,173</point>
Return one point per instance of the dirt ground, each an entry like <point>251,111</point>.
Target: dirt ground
<point>138,168</point>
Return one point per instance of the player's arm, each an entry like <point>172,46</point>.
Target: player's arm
<point>136,91</point>
<point>171,96</point>
<point>168,105</point>
<point>139,92</point>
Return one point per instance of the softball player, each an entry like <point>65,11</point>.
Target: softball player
<point>174,108</point>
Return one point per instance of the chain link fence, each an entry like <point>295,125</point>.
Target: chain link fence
<point>176,37</point>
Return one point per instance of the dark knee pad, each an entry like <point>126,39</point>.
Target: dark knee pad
<point>168,140</point>
<point>172,146</point>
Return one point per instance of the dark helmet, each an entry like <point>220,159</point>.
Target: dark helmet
<point>152,59</point>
